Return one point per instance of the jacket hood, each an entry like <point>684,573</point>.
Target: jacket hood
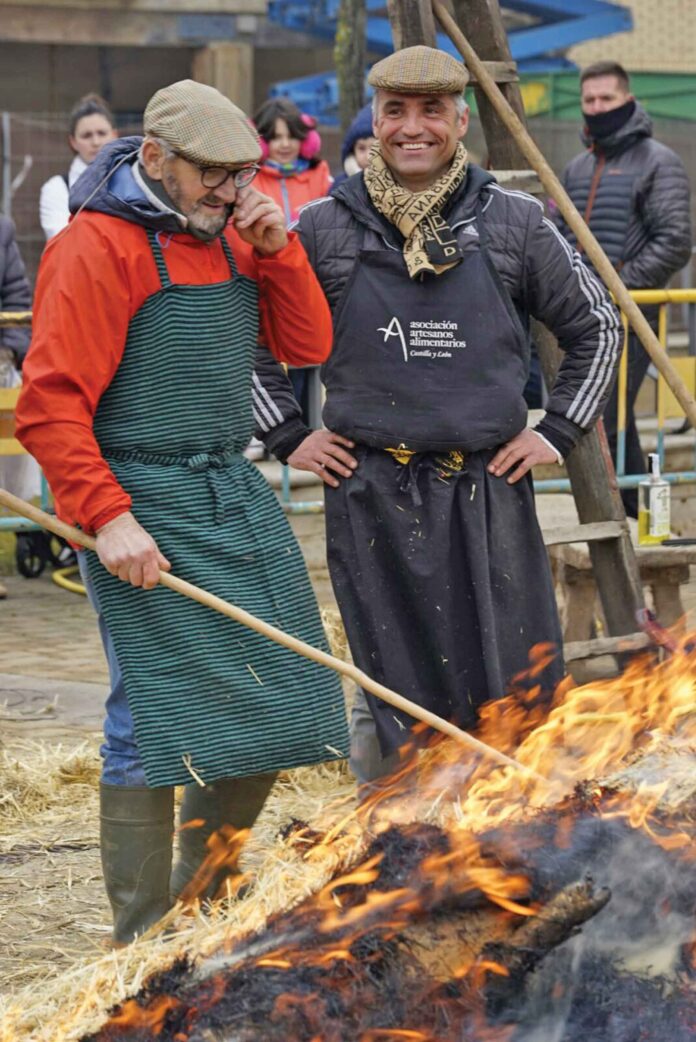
<point>353,194</point>
<point>108,186</point>
<point>638,125</point>
<point>359,128</point>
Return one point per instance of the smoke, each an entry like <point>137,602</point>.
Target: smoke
<point>622,978</point>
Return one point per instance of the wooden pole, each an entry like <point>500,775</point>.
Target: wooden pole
<point>555,189</point>
<point>412,23</point>
<point>349,59</point>
<point>209,600</point>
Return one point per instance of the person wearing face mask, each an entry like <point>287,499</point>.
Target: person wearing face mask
<point>633,192</point>
<point>137,401</point>
<point>91,126</point>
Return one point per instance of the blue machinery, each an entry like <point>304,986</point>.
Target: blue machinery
<point>536,48</point>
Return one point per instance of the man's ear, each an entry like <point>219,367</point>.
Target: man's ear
<point>463,123</point>
<point>152,157</point>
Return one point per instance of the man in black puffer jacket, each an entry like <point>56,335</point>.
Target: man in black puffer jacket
<point>432,271</point>
<point>634,194</point>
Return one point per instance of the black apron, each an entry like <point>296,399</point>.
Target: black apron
<point>439,569</point>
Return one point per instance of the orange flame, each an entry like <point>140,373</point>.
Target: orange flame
<point>583,733</point>
<point>224,848</point>
<point>131,1015</point>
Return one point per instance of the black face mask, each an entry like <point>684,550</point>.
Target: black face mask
<point>604,124</point>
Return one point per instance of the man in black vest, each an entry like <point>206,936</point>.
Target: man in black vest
<point>634,194</point>
<point>432,271</point>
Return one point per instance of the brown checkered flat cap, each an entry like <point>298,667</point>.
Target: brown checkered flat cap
<point>202,125</point>
<point>419,70</point>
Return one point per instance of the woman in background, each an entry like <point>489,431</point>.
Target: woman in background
<point>91,126</point>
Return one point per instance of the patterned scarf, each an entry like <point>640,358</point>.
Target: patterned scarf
<point>430,244</point>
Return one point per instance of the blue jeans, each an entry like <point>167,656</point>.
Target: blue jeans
<point>121,763</point>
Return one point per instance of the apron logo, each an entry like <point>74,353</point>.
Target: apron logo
<point>394,329</point>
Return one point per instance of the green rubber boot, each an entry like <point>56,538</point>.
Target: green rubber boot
<point>137,826</point>
<point>229,804</point>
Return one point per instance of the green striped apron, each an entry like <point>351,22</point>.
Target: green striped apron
<point>205,692</point>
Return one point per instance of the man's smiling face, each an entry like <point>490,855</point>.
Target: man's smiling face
<point>418,135</point>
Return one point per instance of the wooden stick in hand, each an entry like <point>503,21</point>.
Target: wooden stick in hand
<point>75,535</point>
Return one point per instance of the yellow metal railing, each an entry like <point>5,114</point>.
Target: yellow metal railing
<point>9,446</point>
<point>667,406</point>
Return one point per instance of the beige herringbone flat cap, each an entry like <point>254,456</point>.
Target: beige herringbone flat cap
<point>419,70</point>
<point>202,125</point>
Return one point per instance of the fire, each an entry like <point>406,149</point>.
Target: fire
<point>501,836</point>
<point>152,1019</point>
<point>224,848</point>
<point>586,732</point>
<point>392,1035</point>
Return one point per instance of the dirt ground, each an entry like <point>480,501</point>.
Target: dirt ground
<point>53,681</point>
<point>53,908</point>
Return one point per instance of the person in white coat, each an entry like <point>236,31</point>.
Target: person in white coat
<point>91,125</point>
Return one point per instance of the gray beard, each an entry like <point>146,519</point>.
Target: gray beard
<point>199,224</point>
<point>207,227</point>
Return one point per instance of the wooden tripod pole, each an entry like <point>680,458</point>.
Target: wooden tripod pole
<point>209,600</point>
<point>555,189</point>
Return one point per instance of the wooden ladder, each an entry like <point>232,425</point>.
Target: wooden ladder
<point>603,524</point>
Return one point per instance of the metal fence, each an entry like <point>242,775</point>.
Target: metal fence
<point>34,147</point>
<point>680,303</point>
<point>676,307</point>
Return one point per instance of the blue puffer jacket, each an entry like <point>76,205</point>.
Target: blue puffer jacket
<point>639,193</point>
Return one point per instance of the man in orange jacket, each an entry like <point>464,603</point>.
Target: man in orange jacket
<point>138,405</point>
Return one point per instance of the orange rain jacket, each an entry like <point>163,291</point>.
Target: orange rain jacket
<point>93,278</point>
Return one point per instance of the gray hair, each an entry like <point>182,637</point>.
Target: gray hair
<point>164,145</point>
<point>460,103</point>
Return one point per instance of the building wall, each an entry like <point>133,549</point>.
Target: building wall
<point>41,82</point>
<point>50,78</point>
<point>663,39</point>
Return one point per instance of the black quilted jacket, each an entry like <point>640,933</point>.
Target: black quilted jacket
<point>15,294</point>
<point>640,206</point>
<point>544,277</point>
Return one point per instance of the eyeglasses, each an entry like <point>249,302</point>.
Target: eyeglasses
<point>216,176</point>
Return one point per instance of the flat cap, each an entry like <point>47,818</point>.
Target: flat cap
<point>202,125</point>
<point>419,70</point>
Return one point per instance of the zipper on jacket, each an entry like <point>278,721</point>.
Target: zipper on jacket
<point>286,200</point>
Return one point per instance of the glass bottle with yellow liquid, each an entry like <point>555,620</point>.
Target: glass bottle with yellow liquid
<point>653,506</point>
